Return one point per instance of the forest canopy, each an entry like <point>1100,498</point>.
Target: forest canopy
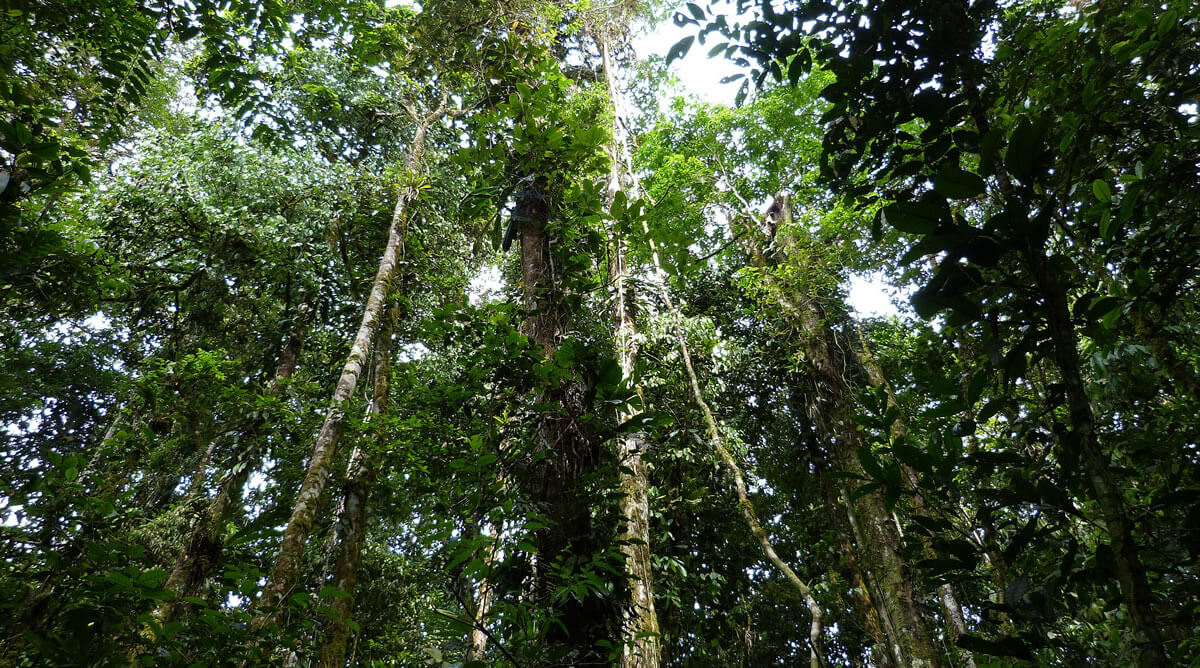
<point>453,333</point>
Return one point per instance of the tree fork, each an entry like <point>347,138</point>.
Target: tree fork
<point>350,530</point>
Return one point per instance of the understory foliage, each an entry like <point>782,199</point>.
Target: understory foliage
<point>608,356</point>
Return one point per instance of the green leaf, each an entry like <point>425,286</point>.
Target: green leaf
<point>1167,22</point>
<point>957,183</point>
<point>47,150</point>
<point>1101,190</point>
<point>869,463</point>
<point>912,217</point>
<point>680,49</point>
<point>913,457</point>
<point>1107,231</point>
<point>1021,149</point>
<point>800,64</point>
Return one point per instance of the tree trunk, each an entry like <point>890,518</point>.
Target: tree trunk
<point>478,638</point>
<point>295,536</point>
<point>642,647</point>
<point>201,552</point>
<point>350,529</point>
<point>877,538</point>
<point>559,433</point>
<point>840,524</point>
<point>949,601</point>
<point>1081,442</point>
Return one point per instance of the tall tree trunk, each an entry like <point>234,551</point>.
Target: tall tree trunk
<point>641,636</point>
<point>1082,443</point>
<point>866,604</point>
<point>580,623</point>
<point>202,550</point>
<point>350,529</point>
<point>295,536</point>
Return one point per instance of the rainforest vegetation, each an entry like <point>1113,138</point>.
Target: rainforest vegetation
<point>450,333</point>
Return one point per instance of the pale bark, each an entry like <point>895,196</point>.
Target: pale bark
<point>478,638</point>
<point>816,656</point>
<point>295,536</point>
<point>641,636</point>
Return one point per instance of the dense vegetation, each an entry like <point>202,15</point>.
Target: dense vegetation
<point>262,403</point>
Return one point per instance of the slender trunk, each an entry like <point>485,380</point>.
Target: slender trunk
<point>201,472</point>
<point>201,552</point>
<point>1081,442</point>
<point>295,536</point>
<point>478,638</point>
<point>641,636</point>
<point>350,529</point>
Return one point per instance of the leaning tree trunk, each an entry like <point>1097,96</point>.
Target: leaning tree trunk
<point>642,647</point>
<point>481,607</point>
<point>816,624</point>
<point>295,536</point>
<point>351,527</point>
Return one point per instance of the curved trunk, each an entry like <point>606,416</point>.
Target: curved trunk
<point>816,628</point>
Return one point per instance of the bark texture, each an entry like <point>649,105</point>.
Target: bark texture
<point>951,610</point>
<point>560,434</point>
<point>202,551</point>
<point>891,579</point>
